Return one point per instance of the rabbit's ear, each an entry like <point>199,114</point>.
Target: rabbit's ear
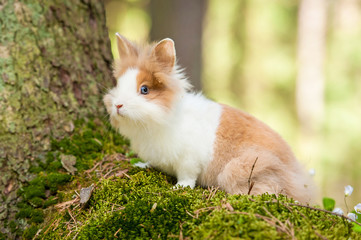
<point>125,47</point>
<point>164,51</point>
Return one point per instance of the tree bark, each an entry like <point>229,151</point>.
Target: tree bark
<point>54,63</point>
<point>181,20</point>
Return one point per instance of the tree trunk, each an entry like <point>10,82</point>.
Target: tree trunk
<point>54,62</point>
<point>312,18</point>
<point>181,20</point>
<point>311,54</point>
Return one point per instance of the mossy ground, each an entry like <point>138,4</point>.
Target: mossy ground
<point>133,203</point>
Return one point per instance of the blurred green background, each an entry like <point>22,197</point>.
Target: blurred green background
<point>296,65</point>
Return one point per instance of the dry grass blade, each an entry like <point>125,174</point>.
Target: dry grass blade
<point>95,166</point>
<point>322,210</point>
<point>288,230</point>
<point>64,205</point>
<point>266,219</point>
<point>250,184</point>
<point>55,222</point>
<point>37,234</point>
<point>203,210</point>
<point>71,215</point>
<point>312,208</point>
<point>213,192</point>
<point>153,207</point>
<point>117,232</point>
<point>228,206</point>
<point>111,159</point>
<point>190,214</point>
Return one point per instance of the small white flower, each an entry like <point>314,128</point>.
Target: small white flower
<point>358,208</point>
<point>348,190</point>
<point>338,211</point>
<point>312,172</point>
<point>352,216</point>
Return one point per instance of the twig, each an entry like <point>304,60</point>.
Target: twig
<point>95,166</point>
<point>326,211</point>
<point>203,210</point>
<point>77,193</point>
<point>66,204</point>
<point>50,226</point>
<point>250,185</point>
<point>228,206</point>
<point>71,215</point>
<point>107,165</point>
<point>181,230</point>
<point>76,234</point>
<point>37,234</point>
<point>190,214</point>
<point>267,219</point>
<point>117,232</point>
<point>212,192</point>
<point>284,227</point>
<point>127,175</point>
<point>110,171</point>
<point>315,209</point>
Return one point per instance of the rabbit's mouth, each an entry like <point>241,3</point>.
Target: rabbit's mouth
<point>119,110</point>
<point>120,114</point>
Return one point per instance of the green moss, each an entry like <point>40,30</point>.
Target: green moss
<point>54,166</point>
<point>3,236</point>
<point>147,207</point>
<point>24,212</point>
<point>52,61</point>
<point>144,205</point>
<point>91,140</point>
<point>32,191</point>
<point>37,216</point>
<point>54,180</point>
<point>50,201</point>
<point>30,232</point>
<point>36,202</point>
<point>85,145</point>
<point>13,226</point>
<point>222,225</point>
<point>35,169</point>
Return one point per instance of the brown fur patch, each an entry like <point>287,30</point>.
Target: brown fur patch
<point>121,66</point>
<point>152,73</point>
<point>165,53</point>
<point>240,139</point>
<point>159,90</point>
<point>141,57</point>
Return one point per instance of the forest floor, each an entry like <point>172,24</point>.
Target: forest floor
<point>87,187</point>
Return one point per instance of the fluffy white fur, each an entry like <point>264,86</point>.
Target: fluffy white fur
<point>191,137</point>
<point>179,142</point>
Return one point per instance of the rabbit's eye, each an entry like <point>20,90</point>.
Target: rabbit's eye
<point>144,90</point>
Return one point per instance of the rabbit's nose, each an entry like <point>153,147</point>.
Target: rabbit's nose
<point>118,106</point>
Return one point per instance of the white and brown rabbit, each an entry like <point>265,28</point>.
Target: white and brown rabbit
<point>191,137</point>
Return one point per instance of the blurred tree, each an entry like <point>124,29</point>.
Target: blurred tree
<point>181,20</point>
<point>54,59</point>
<point>310,84</point>
<point>342,129</point>
<point>311,55</point>
<point>238,54</point>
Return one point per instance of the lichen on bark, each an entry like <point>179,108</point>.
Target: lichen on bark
<point>54,64</point>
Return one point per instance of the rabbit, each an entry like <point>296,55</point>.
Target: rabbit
<point>197,140</point>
